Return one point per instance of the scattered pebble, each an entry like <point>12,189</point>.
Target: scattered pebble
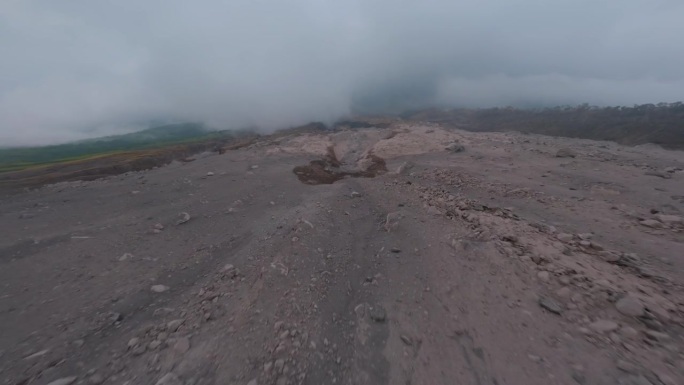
<point>538,259</point>
<point>670,219</point>
<point>629,332</point>
<point>455,147</point>
<point>159,288</point>
<point>534,358</point>
<point>96,379</point>
<point>609,256</point>
<point>550,305</point>
<point>565,237</point>
<point>665,379</point>
<point>544,276</point>
<point>378,314</point>
<point>139,349</point>
<point>173,325</point>
<point>603,326</point>
<point>406,339</point>
<point>627,367</point>
<point>579,377</point>
<point>658,174</point>
<point>37,354</point>
<point>652,223</point>
<point>630,306</point>
<point>182,345</point>
<point>279,364</point>
<point>565,153</point>
<point>183,217</point>
<point>169,379</point>
<point>133,342</point>
<point>392,221</point>
<point>564,292</point>
<point>64,381</point>
<point>634,379</point>
<point>116,317</point>
<point>657,336</point>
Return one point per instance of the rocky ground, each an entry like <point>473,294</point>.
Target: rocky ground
<point>436,257</point>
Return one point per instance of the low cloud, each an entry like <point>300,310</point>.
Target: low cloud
<point>78,69</point>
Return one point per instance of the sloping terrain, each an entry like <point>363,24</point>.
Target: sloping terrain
<point>152,140</point>
<point>96,166</point>
<point>662,124</point>
<point>499,261</point>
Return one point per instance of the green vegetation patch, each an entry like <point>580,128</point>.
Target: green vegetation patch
<point>12,159</point>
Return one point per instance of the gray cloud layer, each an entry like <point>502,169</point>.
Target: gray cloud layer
<point>74,69</point>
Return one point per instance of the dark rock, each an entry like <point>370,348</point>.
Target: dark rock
<point>565,153</point>
<point>455,147</point>
<point>658,174</point>
<point>538,259</point>
<point>550,305</point>
<point>116,317</point>
<point>378,314</point>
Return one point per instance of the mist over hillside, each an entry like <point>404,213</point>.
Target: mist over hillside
<point>155,137</point>
<point>661,124</point>
<point>81,69</point>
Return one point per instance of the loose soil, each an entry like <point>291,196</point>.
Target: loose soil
<point>501,264</point>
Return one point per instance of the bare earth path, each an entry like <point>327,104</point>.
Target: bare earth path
<point>500,264</point>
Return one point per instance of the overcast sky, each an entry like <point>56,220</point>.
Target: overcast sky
<point>80,68</point>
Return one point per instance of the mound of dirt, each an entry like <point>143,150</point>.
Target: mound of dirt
<point>327,170</point>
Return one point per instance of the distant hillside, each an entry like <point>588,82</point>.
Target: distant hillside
<point>166,132</point>
<point>662,124</point>
<point>17,158</point>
